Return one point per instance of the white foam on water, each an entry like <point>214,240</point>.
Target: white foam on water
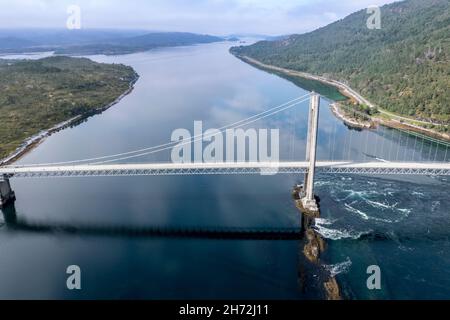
<point>335,234</point>
<point>354,210</point>
<point>435,205</point>
<point>406,212</point>
<point>339,268</point>
<point>405,249</point>
<point>322,183</point>
<point>381,205</point>
<point>324,222</point>
<point>385,220</point>
<point>360,194</point>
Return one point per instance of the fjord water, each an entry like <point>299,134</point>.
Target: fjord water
<point>400,224</point>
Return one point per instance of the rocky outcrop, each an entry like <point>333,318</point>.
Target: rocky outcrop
<point>315,246</point>
<point>332,290</point>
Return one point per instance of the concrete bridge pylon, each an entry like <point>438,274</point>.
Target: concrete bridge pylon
<point>6,193</point>
<point>308,200</point>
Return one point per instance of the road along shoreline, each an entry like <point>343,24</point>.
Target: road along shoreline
<point>392,121</point>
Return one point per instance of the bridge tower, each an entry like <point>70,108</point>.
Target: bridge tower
<point>6,193</point>
<point>309,201</point>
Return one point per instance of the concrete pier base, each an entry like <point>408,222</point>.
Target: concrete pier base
<point>6,193</point>
<point>310,205</point>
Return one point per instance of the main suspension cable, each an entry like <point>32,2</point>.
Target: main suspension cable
<point>173,143</point>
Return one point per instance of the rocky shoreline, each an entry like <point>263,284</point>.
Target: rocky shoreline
<point>314,247</point>
<point>350,121</point>
<point>34,141</point>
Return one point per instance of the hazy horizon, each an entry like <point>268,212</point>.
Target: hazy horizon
<point>215,17</point>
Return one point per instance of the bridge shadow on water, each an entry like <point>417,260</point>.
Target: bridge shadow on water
<point>15,223</point>
<point>309,284</point>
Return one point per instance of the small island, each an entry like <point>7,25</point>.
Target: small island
<point>39,97</point>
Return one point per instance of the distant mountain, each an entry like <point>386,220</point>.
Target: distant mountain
<point>60,37</point>
<point>15,43</point>
<point>256,36</point>
<point>171,39</point>
<point>232,39</point>
<point>85,42</point>
<point>139,43</point>
<point>404,67</point>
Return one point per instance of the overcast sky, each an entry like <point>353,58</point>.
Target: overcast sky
<point>220,17</point>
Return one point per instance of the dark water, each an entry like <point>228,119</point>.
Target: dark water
<point>402,225</point>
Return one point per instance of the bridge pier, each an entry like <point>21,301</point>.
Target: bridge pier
<point>308,200</point>
<point>6,193</point>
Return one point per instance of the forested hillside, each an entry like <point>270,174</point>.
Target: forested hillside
<point>36,95</point>
<point>404,67</point>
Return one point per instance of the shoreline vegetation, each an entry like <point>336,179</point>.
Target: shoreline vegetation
<point>379,117</point>
<point>100,73</point>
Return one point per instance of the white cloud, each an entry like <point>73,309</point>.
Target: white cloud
<point>203,16</point>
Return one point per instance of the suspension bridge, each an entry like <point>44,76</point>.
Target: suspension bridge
<point>107,165</point>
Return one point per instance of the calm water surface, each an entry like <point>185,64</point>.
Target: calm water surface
<point>402,225</point>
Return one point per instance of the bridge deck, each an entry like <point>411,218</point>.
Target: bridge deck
<point>377,168</point>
